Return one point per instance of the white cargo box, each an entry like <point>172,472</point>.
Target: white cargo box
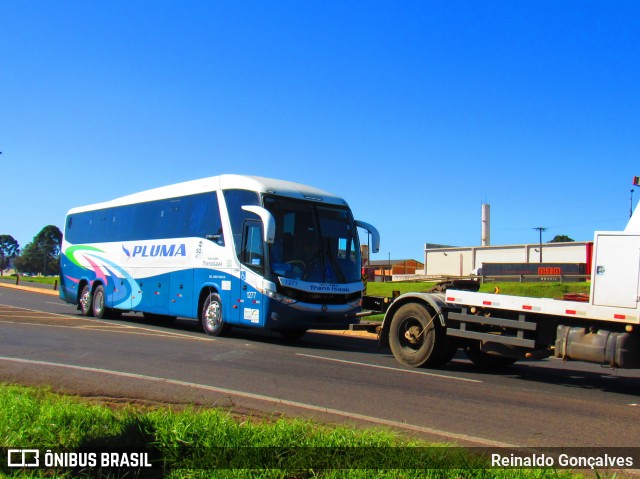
<point>615,278</point>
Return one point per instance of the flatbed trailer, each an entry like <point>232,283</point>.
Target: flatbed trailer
<point>427,329</point>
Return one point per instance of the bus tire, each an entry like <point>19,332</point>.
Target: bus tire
<point>483,360</point>
<point>85,301</point>
<point>211,316</point>
<point>97,305</point>
<point>416,338</point>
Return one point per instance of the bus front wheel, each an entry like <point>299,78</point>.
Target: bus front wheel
<point>211,316</point>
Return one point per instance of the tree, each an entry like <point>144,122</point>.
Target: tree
<point>561,239</point>
<point>42,255</point>
<point>9,248</point>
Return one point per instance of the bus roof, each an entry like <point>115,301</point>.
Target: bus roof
<point>221,182</point>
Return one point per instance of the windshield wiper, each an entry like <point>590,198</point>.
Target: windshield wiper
<point>334,263</point>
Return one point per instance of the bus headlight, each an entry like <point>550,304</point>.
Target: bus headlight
<point>279,297</point>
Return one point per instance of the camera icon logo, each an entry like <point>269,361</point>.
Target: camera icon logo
<point>23,458</point>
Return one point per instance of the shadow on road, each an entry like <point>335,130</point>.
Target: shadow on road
<point>550,371</point>
<point>324,340</point>
<point>560,374</point>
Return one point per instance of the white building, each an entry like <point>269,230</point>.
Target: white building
<point>462,261</point>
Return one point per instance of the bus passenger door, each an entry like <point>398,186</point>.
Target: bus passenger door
<point>252,270</point>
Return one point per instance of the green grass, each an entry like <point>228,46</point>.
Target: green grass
<point>535,290</point>
<point>386,289</point>
<point>211,440</point>
<point>34,279</point>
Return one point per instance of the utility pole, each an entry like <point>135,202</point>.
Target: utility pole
<point>540,230</point>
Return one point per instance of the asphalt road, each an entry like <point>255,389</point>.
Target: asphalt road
<point>331,377</point>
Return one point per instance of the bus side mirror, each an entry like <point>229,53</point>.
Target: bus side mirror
<point>268,223</point>
<point>375,236</point>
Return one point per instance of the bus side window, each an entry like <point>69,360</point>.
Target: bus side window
<point>217,238</point>
<point>204,218</point>
<point>235,200</point>
<point>252,246</point>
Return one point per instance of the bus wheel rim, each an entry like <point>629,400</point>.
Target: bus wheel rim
<point>212,316</point>
<point>85,298</point>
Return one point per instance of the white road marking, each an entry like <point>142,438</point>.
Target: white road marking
<point>95,324</point>
<point>410,371</point>
<point>309,407</point>
<point>118,329</point>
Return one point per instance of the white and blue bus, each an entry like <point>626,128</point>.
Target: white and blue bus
<point>227,250</point>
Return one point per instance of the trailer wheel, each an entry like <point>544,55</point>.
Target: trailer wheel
<point>211,316</point>
<point>415,338</point>
<point>487,361</point>
<point>85,303</point>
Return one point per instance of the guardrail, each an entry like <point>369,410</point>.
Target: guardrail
<point>519,278</point>
<point>530,278</point>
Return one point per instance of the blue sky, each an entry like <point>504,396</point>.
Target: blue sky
<point>416,112</point>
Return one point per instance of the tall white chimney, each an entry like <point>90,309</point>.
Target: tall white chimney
<point>486,224</point>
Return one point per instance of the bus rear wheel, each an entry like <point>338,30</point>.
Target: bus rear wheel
<point>85,302</point>
<point>98,307</point>
<point>211,316</point>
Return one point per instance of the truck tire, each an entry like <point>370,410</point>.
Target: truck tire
<point>483,360</point>
<point>416,338</point>
<point>449,351</point>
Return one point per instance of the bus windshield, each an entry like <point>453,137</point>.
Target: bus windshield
<point>313,243</point>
